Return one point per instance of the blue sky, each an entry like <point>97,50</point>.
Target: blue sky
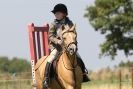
<point>15,15</point>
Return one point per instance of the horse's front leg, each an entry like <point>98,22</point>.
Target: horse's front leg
<point>70,87</point>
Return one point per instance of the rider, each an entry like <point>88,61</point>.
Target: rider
<point>60,11</point>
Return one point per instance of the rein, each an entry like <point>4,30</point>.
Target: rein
<point>70,62</point>
<point>65,51</point>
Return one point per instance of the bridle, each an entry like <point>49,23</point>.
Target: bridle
<point>67,46</point>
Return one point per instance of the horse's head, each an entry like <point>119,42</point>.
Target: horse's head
<point>69,38</point>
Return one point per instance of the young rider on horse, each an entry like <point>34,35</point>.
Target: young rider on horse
<point>60,11</point>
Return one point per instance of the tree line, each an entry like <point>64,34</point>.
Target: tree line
<point>14,65</point>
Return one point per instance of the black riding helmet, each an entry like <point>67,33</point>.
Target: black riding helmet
<point>61,8</point>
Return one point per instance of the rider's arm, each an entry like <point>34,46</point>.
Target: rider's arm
<point>52,34</point>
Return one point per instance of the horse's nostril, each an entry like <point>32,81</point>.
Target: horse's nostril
<point>71,49</point>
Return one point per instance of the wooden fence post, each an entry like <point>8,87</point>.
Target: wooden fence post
<point>132,77</point>
<point>120,79</point>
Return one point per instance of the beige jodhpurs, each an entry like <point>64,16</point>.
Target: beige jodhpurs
<point>53,55</point>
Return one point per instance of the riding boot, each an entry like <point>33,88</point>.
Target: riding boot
<point>47,74</point>
<point>84,70</point>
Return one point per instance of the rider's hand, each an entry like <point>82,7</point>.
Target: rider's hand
<point>59,42</point>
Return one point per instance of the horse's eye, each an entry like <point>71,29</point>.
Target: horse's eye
<point>64,38</point>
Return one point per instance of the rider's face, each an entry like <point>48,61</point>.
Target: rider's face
<point>59,15</point>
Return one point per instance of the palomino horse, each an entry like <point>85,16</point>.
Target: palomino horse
<point>67,71</point>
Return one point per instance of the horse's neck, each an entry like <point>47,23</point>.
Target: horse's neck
<point>69,60</point>
<point>66,66</point>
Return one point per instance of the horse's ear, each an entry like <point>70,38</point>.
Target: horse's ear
<point>67,27</point>
<point>63,27</point>
<point>73,27</point>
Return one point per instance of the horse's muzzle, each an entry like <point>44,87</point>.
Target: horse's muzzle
<point>72,49</point>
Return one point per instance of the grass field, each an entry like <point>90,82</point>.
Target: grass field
<point>15,84</point>
<point>107,85</point>
<point>26,84</point>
